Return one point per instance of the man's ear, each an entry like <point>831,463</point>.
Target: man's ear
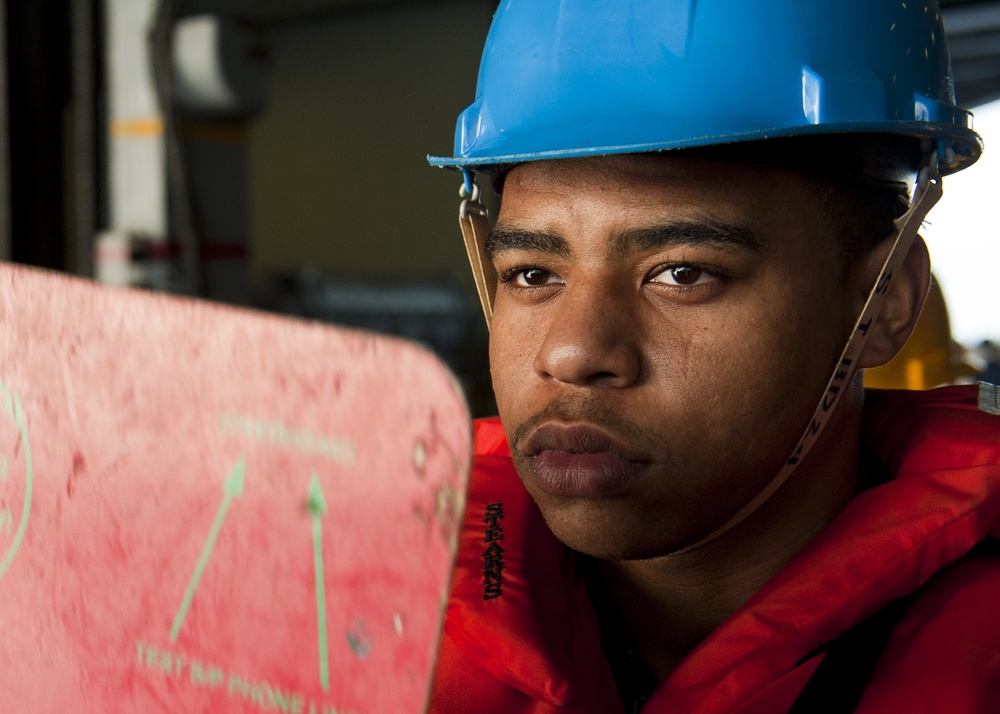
<point>903,302</point>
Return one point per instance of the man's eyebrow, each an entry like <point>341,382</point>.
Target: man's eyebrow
<point>717,234</point>
<point>503,238</point>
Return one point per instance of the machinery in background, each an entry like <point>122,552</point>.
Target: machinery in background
<point>180,91</point>
<point>442,315</point>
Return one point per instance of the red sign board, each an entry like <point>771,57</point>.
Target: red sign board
<point>204,509</point>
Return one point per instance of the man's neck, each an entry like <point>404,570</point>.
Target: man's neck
<point>668,605</point>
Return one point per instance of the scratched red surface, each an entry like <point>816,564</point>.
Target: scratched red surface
<point>204,509</point>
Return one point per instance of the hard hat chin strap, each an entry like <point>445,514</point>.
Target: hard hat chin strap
<point>474,222</point>
<point>927,193</point>
<point>475,226</point>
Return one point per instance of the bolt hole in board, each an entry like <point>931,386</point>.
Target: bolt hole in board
<point>206,509</point>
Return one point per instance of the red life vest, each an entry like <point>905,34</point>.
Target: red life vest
<point>521,635</point>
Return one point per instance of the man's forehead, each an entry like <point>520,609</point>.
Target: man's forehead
<point>646,202</point>
<point>651,188</point>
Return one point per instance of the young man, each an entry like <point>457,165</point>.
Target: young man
<point>688,503</point>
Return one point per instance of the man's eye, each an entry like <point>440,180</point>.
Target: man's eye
<point>681,275</point>
<point>533,277</point>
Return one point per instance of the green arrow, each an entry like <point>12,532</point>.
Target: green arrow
<point>13,406</point>
<point>317,506</point>
<point>234,489</point>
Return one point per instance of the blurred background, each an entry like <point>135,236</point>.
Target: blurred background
<point>270,153</point>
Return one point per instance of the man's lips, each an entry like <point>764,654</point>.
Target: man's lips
<point>580,460</point>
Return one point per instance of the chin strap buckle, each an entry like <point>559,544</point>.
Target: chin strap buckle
<point>473,219</point>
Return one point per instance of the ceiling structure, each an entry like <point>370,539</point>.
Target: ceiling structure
<point>973,28</point>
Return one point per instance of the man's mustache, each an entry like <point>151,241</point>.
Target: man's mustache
<point>581,409</point>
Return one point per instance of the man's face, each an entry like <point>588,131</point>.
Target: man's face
<point>663,329</point>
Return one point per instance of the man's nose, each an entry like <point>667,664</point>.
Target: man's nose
<point>592,339</point>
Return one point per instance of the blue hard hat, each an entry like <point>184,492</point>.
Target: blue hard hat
<point>565,78</point>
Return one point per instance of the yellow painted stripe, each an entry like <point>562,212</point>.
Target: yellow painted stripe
<point>136,128</point>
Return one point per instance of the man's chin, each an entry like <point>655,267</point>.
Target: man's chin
<point>608,534</point>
